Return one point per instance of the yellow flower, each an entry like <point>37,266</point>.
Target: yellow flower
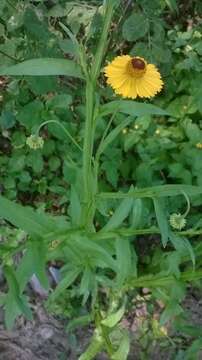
<point>132,77</point>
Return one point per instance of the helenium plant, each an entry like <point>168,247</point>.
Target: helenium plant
<point>100,261</point>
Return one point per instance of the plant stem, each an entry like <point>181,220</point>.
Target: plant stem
<point>103,40</point>
<point>89,182</point>
<point>64,129</point>
<point>88,149</point>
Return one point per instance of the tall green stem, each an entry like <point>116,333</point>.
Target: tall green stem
<point>90,123</point>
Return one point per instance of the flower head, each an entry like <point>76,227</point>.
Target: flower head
<point>132,77</point>
<point>35,142</point>
<point>177,221</point>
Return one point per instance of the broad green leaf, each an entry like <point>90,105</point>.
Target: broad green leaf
<point>155,191</point>
<point>123,349</point>
<point>113,319</point>
<point>43,67</point>
<point>161,216</point>
<point>132,108</point>
<point>26,218</point>
<point>135,27</point>
<point>30,115</point>
<point>7,120</point>
<point>120,214</point>
<point>60,101</point>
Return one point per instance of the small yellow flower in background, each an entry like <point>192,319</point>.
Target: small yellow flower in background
<point>124,131</point>
<point>157,132</point>
<point>35,142</point>
<point>177,221</point>
<point>132,77</point>
<point>199,145</point>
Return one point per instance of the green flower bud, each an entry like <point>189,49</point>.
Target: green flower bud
<point>35,142</point>
<point>177,221</point>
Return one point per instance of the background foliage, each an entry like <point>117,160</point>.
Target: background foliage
<point>150,151</point>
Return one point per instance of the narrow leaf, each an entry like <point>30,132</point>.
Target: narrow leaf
<point>124,347</point>
<point>123,256</point>
<point>155,191</point>
<point>113,319</point>
<point>65,283</point>
<point>132,108</point>
<point>114,133</point>
<point>183,246</point>
<point>93,349</point>
<point>97,251</point>
<point>75,207</point>
<point>161,217</point>
<point>26,218</point>
<point>120,214</point>
<point>43,67</point>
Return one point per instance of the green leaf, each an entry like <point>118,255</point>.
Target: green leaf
<point>172,310</point>
<point>86,284</point>
<point>26,218</point>
<point>194,350</point>
<point>113,134</point>
<point>137,214</point>
<point>120,214</point>
<point>41,85</point>
<point>183,246</point>
<point>68,279</point>
<point>172,4</point>
<point>79,322</point>
<point>33,262</point>
<point>124,260</point>
<point>43,67</point>
<point>159,205</point>
<point>60,101</point>
<point>113,319</point>
<point>7,120</point>
<point>123,349</point>
<point>75,207</point>
<point>93,349</point>
<point>132,108</point>
<point>154,191</point>
<point>135,27</point>
<point>96,251</point>
<point>31,114</point>
<point>15,303</point>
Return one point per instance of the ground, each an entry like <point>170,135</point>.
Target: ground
<point>45,337</point>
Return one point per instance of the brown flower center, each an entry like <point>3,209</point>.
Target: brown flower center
<point>138,64</point>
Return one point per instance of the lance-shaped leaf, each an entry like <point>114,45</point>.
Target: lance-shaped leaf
<point>43,67</point>
<point>26,218</point>
<point>132,108</point>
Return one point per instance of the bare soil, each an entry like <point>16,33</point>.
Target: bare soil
<point>45,337</point>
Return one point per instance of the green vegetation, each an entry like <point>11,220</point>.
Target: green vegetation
<point>85,173</point>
